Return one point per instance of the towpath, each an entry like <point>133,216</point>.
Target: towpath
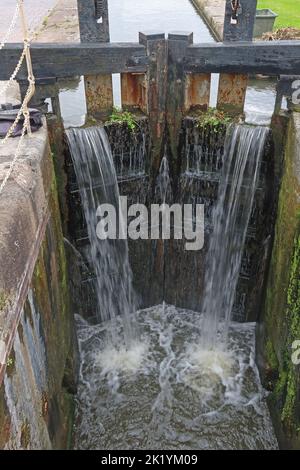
<point>56,18</point>
<point>213,12</point>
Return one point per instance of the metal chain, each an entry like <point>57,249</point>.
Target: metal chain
<point>31,79</point>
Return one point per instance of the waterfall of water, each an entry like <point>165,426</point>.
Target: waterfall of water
<point>204,151</point>
<point>163,188</point>
<point>129,149</point>
<point>243,151</point>
<point>97,181</point>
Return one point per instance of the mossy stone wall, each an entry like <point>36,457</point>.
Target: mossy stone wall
<point>36,391</point>
<point>279,326</point>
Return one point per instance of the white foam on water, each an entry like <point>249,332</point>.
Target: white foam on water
<point>165,392</point>
<point>211,361</point>
<point>125,360</point>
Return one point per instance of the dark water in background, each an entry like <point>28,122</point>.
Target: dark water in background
<point>128,17</point>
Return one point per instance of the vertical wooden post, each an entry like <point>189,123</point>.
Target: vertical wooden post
<point>178,43</point>
<point>232,87</point>
<point>94,27</point>
<point>156,82</point>
<point>243,30</point>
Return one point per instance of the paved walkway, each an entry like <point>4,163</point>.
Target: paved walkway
<point>213,11</point>
<point>62,23</point>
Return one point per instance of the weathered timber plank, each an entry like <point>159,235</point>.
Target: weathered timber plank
<point>176,94</point>
<point>91,30</point>
<point>232,92</point>
<point>197,91</point>
<point>156,92</point>
<point>61,60</point>
<point>133,91</point>
<point>243,30</point>
<point>270,58</point>
<point>99,94</point>
<point>238,26</point>
<point>94,28</point>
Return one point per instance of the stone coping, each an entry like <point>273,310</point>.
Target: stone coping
<point>24,215</point>
<point>213,13</point>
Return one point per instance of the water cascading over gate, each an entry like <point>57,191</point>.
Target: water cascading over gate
<point>98,184</point>
<point>244,148</point>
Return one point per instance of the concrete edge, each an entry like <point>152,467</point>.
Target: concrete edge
<point>214,23</point>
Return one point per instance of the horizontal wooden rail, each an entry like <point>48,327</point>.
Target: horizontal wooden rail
<point>69,60</point>
<point>270,58</point>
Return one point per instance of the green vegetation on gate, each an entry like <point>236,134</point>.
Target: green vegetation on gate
<point>288,12</point>
<point>120,117</point>
<point>213,119</point>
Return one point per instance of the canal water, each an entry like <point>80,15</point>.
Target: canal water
<point>183,379</point>
<point>128,18</point>
<point>166,392</point>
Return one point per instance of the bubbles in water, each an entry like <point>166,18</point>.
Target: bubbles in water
<point>125,360</point>
<point>211,361</point>
<point>165,392</point>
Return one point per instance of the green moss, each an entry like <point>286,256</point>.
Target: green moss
<point>281,317</point>
<point>4,297</point>
<point>121,117</point>
<point>287,415</point>
<point>285,393</point>
<point>25,435</point>
<point>5,420</point>
<point>271,355</point>
<point>280,386</point>
<point>293,321</point>
<point>11,364</point>
<point>293,297</point>
<point>45,22</point>
<point>213,119</point>
<point>62,261</point>
<point>58,175</point>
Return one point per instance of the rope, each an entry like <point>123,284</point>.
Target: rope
<point>29,93</point>
<point>31,79</point>
<point>14,161</point>
<point>4,89</point>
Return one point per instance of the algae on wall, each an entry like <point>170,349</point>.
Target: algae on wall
<point>279,325</point>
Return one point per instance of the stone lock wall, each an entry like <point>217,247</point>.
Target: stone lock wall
<point>279,324</point>
<point>37,333</point>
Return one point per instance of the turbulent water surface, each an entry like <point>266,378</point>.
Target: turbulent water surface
<point>167,393</point>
